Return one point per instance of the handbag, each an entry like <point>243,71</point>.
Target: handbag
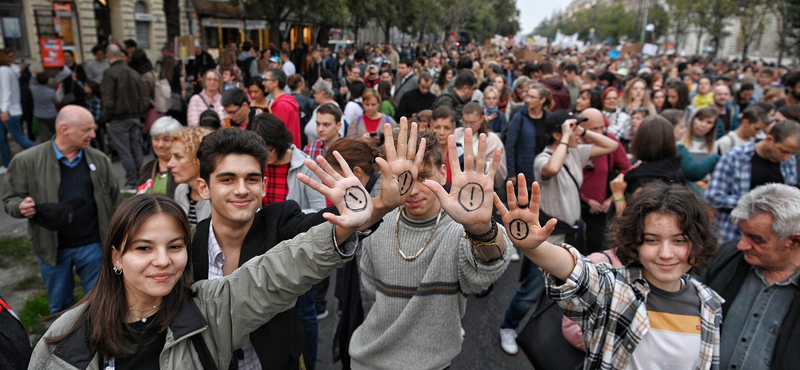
<point>543,342</point>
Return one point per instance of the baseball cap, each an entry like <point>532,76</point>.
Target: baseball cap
<point>556,119</point>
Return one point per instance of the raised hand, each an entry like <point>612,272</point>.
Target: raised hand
<point>470,200</point>
<point>354,203</point>
<point>521,219</point>
<point>401,166</point>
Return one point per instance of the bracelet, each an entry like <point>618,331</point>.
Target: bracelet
<point>584,132</point>
<point>619,199</point>
<point>561,142</point>
<point>485,237</point>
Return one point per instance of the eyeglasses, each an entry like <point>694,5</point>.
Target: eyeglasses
<point>235,110</point>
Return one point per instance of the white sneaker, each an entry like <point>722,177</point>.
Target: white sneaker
<point>3,170</point>
<point>514,255</point>
<point>508,341</point>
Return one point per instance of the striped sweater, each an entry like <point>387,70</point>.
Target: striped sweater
<point>415,322</point>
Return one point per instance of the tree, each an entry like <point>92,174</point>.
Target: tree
<point>278,11</point>
<point>360,13</point>
<point>679,21</point>
<point>720,11</point>
<point>751,16</point>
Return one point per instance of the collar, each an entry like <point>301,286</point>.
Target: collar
<point>792,280</point>
<point>215,255</point>
<point>63,159</point>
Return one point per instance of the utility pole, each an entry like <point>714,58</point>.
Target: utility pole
<point>644,21</point>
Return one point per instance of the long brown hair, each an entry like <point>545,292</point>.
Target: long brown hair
<point>356,152</point>
<point>107,303</point>
<point>711,136</point>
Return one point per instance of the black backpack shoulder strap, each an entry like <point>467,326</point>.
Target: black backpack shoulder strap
<point>572,177</point>
<point>202,351</point>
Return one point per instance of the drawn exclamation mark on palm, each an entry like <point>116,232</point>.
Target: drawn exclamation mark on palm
<point>354,197</point>
<point>471,196</point>
<point>519,228</point>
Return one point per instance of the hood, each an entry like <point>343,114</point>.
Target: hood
<point>287,99</point>
<point>554,83</point>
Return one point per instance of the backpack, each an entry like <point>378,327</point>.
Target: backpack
<point>162,100</point>
<point>244,66</point>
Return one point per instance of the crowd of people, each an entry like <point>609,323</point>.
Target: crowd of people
<point>648,198</point>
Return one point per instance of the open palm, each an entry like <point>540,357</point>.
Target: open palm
<point>522,223</point>
<point>402,163</point>
<point>351,199</point>
<point>471,191</point>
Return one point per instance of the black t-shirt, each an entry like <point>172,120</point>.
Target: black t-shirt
<point>764,171</point>
<point>150,343</point>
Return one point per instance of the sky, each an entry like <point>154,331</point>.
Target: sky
<point>531,12</point>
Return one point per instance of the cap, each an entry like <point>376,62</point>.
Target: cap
<point>622,72</point>
<point>274,59</point>
<point>556,119</point>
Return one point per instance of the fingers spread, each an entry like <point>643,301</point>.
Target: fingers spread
<point>402,139</point>
<point>469,156</point>
<point>500,207</point>
<point>391,152</point>
<point>342,164</point>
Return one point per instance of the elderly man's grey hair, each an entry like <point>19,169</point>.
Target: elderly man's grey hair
<point>165,125</point>
<point>323,87</point>
<point>779,200</point>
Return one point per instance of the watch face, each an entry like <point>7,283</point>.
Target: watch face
<point>355,199</point>
<point>471,196</point>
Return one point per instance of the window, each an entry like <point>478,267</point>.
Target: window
<point>143,20</point>
<point>12,21</point>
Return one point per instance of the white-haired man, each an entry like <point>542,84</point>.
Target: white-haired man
<point>759,277</point>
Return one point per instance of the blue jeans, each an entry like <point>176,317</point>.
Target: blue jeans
<point>14,126</point>
<point>527,295</point>
<point>306,307</point>
<point>59,280</point>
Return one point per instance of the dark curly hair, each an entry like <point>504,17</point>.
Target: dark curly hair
<point>627,229</point>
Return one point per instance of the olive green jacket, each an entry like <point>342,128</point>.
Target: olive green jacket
<point>35,173</point>
<point>224,311</point>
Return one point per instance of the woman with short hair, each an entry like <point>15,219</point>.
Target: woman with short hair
<point>155,176</point>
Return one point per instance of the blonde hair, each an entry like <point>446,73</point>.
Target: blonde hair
<point>191,139</point>
<point>369,94</point>
<point>626,100</point>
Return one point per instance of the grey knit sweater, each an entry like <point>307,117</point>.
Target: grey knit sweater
<point>415,321</point>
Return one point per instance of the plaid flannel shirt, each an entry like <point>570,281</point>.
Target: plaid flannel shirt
<point>610,307</point>
<point>314,149</point>
<point>731,180</point>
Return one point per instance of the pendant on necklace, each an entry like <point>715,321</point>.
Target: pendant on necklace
<point>144,319</point>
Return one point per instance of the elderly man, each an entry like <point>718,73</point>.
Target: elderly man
<point>727,110</point>
<point>749,166</point>
<point>68,192</point>
<point>759,276</point>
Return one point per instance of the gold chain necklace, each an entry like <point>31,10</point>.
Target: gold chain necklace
<point>427,240</point>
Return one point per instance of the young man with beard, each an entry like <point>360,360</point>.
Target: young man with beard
<point>418,268</point>
<point>232,164</point>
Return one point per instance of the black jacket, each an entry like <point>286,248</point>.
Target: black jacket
<point>122,93</point>
<point>279,342</point>
<point>726,274</point>
<point>667,170</point>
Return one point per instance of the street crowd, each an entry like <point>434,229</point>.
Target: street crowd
<point>648,199</point>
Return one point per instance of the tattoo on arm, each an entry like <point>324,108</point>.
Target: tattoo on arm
<point>471,196</point>
<point>355,199</point>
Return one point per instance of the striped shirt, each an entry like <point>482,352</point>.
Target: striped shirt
<point>216,259</point>
<point>192,210</point>
<point>610,306</point>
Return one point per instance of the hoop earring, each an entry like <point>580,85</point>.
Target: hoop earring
<point>117,271</point>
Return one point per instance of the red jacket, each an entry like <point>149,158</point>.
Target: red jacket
<point>287,109</point>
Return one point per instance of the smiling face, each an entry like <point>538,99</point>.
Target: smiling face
<point>181,164</point>
<point>153,260</point>
<point>664,255</point>
<point>162,145</point>
<point>235,189</point>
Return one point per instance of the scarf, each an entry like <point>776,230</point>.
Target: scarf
<point>490,111</point>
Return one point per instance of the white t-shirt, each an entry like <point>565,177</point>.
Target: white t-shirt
<point>560,195</point>
<point>289,68</point>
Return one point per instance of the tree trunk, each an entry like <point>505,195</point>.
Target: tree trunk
<point>699,38</point>
<point>275,32</point>
<point>323,35</point>
<point>387,31</point>
<point>172,12</point>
